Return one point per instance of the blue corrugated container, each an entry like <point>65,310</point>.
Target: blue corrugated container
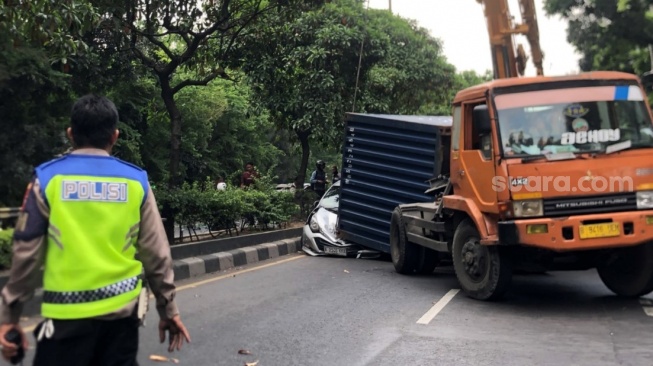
<point>387,161</point>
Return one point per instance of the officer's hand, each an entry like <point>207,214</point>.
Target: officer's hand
<point>177,332</point>
<point>9,350</point>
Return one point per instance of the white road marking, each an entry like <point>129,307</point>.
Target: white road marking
<point>647,305</point>
<point>426,318</point>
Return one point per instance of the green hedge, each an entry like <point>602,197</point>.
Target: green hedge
<point>200,202</point>
<point>5,248</point>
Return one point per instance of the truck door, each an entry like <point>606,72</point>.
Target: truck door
<point>476,169</point>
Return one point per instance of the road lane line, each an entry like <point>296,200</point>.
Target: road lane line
<point>30,328</point>
<point>647,305</point>
<point>229,275</point>
<point>426,318</point>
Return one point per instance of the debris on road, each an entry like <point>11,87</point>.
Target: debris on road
<point>244,352</point>
<point>251,363</point>
<point>346,271</point>
<point>163,359</point>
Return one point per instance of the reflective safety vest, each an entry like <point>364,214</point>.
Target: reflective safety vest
<point>95,211</point>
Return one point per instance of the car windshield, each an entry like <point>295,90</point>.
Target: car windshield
<point>576,120</point>
<point>331,198</point>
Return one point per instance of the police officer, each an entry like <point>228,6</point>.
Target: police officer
<point>318,178</point>
<point>84,218</point>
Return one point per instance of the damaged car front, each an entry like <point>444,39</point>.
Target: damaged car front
<point>320,233</point>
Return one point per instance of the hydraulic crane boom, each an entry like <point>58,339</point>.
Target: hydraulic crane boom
<point>507,60</point>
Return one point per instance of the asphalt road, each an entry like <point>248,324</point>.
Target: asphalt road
<point>331,311</point>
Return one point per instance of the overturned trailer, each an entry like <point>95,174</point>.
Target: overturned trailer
<point>388,161</point>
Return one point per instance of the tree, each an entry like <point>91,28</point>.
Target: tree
<point>603,32</point>
<point>305,69</point>
<point>37,39</point>
<point>411,75</point>
<point>192,36</point>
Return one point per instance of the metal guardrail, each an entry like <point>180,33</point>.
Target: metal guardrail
<point>9,212</point>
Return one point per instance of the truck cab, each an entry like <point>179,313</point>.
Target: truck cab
<point>551,173</point>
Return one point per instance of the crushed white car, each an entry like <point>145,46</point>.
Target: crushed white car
<point>320,231</point>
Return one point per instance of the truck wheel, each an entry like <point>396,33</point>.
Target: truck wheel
<point>405,255</point>
<point>628,271</point>
<point>484,272</point>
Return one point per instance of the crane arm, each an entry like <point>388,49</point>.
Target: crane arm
<point>532,33</point>
<point>507,60</point>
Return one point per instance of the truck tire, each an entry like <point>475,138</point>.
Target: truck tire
<point>628,272</point>
<point>484,272</point>
<point>405,255</point>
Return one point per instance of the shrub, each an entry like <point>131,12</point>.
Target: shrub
<point>6,249</point>
<point>232,208</point>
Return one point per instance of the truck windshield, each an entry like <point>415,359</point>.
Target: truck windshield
<point>576,120</point>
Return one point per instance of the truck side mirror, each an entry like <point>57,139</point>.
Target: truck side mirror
<point>647,80</point>
<point>481,119</point>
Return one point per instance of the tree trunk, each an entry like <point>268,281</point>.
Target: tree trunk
<point>306,151</point>
<point>174,180</point>
<point>175,132</point>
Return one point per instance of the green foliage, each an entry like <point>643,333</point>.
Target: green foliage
<point>222,131</point>
<point>54,25</point>
<point>411,75</point>
<point>183,43</point>
<point>200,202</point>
<point>304,69</point>
<point>6,250</point>
<point>610,34</point>
<point>36,40</point>
<point>34,101</point>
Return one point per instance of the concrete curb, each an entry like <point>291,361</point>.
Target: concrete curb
<point>207,247</point>
<point>210,263</point>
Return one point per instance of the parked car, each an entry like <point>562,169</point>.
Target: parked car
<point>319,235</point>
<point>289,187</point>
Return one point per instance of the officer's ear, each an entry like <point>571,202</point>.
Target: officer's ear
<point>69,133</point>
<point>113,140</point>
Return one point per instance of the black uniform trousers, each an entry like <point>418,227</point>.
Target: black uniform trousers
<point>89,342</point>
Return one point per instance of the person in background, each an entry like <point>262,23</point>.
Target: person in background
<point>84,218</point>
<point>318,178</point>
<point>249,175</point>
<point>335,174</point>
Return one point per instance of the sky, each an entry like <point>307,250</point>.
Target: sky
<point>460,24</point>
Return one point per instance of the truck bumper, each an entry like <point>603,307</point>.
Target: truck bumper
<point>564,233</point>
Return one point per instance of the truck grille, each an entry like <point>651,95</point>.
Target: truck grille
<point>590,204</point>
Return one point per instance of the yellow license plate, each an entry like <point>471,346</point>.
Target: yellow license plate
<point>599,230</point>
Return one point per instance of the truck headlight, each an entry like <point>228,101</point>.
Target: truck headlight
<point>314,225</point>
<point>644,199</point>
<point>527,208</point>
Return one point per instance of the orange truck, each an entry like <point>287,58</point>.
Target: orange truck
<point>545,173</point>
<point>542,173</point>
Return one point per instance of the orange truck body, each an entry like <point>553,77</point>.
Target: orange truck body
<point>575,192</point>
<point>601,175</point>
